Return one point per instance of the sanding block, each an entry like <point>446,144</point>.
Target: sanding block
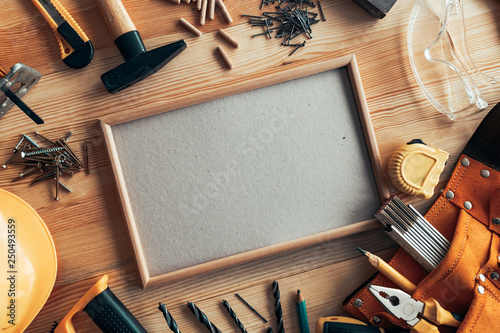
<point>376,8</point>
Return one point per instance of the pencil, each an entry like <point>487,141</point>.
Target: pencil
<point>389,272</point>
<point>302,313</point>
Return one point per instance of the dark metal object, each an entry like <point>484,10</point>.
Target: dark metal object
<point>139,63</point>
<point>251,308</point>
<point>321,12</point>
<point>376,8</point>
<point>203,318</point>
<point>53,162</point>
<point>15,84</point>
<point>293,20</point>
<point>87,157</point>
<point>43,137</point>
<point>234,316</point>
<point>277,307</point>
<point>168,317</point>
<point>20,104</point>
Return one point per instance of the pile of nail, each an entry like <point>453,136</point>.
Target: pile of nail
<point>48,162</point>
<point>293,18</point>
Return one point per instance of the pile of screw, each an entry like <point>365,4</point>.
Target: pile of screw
<point>293,17</point>
<point>46,162</point>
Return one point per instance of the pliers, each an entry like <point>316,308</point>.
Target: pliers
<point>422,317</point>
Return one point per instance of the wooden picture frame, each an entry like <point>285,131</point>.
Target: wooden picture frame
<point>285,74</point>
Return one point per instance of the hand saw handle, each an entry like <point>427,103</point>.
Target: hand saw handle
<point>116,17</point>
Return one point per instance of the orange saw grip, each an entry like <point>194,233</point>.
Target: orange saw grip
<point>66,326</point>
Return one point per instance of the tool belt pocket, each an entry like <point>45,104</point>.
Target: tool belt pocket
<point>466,281</point>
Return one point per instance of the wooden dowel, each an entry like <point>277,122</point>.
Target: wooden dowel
<point>203,12</point>
<point>225,12</point>
<point>116,17</point>
<point>224,57</point>
<point>190,27</point>
<point>228,38</point>
<point>211,9</point>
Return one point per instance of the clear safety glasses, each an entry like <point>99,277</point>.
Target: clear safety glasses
<point>440,60</point>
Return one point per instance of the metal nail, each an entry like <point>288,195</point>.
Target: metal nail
<point>31,140</point>
<point>46,139</point>
<point>41,151</point>
<point>69,136</point>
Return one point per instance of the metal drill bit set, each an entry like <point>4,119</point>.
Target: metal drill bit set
<point>47,163</point>
<point>202,317</point>
<point>413,233</point>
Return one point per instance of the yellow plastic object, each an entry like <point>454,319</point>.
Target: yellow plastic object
<point>414,168</point>
<point>29,263</point>
<point>64,48</point>
<point>66,326</point>
<point>348,325</point>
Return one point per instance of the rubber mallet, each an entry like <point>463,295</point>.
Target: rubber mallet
<point>139,63</point>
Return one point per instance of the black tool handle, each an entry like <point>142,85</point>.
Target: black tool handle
<point>110,315</point>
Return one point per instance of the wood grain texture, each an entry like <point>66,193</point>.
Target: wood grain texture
<point>88,226</point>
<point>116,17</point>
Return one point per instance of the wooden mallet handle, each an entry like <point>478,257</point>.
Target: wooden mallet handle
<point>116,17</point>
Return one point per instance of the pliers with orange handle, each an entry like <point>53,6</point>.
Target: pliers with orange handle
<point>74,45</point>
<point>422,317</point>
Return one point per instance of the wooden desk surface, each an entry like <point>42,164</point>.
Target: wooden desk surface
<point>87,225</point>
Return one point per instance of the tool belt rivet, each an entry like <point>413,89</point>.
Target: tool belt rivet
<point>494,276</point>
<point>496,220</point>
<point>467,205</point>
<point>450,195</point>
<point>485,173</point>
<point>482,277</point>
<point>358,303</point>
<point>376,320</point>
<point>465,162</point>
<point>480,289</point>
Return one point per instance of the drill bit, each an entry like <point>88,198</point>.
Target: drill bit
<point>277,306</point>
<point>234,316</point>
<point>203,318</point>
<point>168,317</point>
<point>251,308</point>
